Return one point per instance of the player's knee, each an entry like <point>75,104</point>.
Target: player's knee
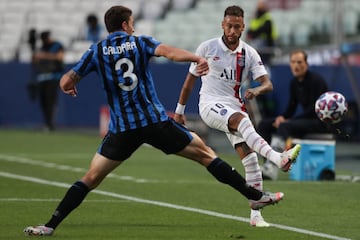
<point>205,155</point>
<point>92,180</point>
<point>234,121</point>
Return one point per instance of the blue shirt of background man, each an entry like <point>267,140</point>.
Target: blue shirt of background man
<point>50,69</point>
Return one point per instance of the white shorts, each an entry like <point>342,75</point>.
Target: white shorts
<point>216,115</point>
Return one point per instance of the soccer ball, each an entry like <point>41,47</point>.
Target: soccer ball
<point>330,107</point>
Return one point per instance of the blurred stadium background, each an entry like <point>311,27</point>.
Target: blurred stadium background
<point>328,29</point>
<point>314,24</point>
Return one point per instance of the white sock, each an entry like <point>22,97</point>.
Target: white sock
<point>253,176</point>
<point>257,143</point>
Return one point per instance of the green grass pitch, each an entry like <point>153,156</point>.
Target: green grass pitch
<point>154,196</point>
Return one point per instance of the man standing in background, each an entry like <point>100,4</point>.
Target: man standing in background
<point>48,63</point>
<point>262,33</point>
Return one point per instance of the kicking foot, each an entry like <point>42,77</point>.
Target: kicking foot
<point>289,157</point>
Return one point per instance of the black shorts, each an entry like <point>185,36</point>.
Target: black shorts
<point>169,136</point>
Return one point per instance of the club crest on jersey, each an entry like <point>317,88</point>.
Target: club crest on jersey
<point>241,61</point>
<point>223,112</point>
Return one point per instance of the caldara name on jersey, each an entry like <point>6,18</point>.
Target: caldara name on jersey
<point>108,50</point>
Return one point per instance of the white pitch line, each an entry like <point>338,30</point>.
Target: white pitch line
<point>56,200</point>
<point>169,205</point>
<point>61,167</point>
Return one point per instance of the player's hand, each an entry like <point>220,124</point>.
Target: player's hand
<point>202,67</point>
<point>68,83</point>
<point>278,121</point>
<point>72,92</point>
<point>180,118</point>
<point>251,93</point>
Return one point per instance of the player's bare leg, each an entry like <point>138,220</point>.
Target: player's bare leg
<point>100,167</point>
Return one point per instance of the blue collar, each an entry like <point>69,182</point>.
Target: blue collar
<point>117,34</point>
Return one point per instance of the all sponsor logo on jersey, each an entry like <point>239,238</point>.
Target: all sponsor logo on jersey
<point>228,75</point>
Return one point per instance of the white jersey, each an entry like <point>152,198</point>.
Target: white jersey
<point>228,69</point>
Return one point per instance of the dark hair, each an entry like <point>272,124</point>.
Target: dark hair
<point>45,34</point>
<point>91,18</point>
<point>234,11</point>
<point>299,51</point>
<point>115,16</point>
<point>32,39</point>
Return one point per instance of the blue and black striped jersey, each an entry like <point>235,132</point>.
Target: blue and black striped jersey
<point>122,60</point>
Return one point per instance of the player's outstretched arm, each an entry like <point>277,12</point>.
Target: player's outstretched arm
<point>183,98</point>
<point>182,55</point>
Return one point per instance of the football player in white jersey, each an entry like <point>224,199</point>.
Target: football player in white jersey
<point>221,104</point>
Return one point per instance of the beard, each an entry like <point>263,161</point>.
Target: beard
<point>231,40</point>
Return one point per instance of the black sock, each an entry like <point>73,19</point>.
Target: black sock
<point>72,199</point>
<point>224,173</point>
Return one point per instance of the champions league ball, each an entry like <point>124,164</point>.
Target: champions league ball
<point>330,107</point>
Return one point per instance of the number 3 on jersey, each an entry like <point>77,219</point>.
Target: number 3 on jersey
<point>128,74</point>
